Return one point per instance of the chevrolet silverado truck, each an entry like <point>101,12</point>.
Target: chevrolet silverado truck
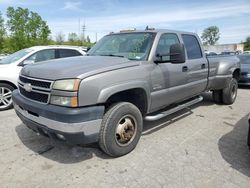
<point>127,77</point>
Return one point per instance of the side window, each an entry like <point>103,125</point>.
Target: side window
<point>67,53</point>
<point>42,55</point>
<point>164,44</point>
<point>192,46</point>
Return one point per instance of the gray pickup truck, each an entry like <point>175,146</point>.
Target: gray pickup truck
<point>127,77</point>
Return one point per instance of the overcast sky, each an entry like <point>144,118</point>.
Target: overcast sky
<point>104,16</point>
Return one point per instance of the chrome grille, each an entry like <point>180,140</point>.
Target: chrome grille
<point>37,83</point>
<point>40,91</point>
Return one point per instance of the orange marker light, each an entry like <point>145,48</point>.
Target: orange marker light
<point>74,102</point>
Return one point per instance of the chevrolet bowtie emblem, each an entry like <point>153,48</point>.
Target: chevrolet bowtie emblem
<point>27,87</point>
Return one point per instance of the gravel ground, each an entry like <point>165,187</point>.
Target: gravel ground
<point>204,146</point>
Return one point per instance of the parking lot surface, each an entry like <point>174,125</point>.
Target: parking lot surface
<point>204,146</point>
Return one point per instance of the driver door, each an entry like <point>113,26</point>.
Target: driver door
<point>168,80</point>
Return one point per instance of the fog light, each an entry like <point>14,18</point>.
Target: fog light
<point>61,137</point>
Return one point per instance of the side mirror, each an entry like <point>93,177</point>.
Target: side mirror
<point>28,62</point>
<point>176,55</point>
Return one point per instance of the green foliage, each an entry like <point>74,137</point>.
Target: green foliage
<point>88,39</point>
<point>25,28</point>
<point>247,44</point>
<point>2,32</point>
<point>210,35</point>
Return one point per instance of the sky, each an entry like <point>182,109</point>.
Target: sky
<point>104,16</point>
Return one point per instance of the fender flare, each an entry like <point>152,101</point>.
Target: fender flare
<point>109,91</point>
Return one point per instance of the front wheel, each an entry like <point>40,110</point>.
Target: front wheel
<point>230,92</point>
<point>121,129</point>
<point>5,96</point>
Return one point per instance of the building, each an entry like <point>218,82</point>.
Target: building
<point>225,48</point>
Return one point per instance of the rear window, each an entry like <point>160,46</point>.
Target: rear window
<point>68,53</point>
<point>192,46</point>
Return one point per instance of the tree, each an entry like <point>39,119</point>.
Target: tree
<point>72,37</point>
<point>2,32</point>
<point>247,44</point>
<point>26,28</point>
<point>60,38</point>
<point>210,35</point>
<point>88,39</point>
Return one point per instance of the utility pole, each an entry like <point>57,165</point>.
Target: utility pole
<point>96,37</point>
<point>79,26</point>
<point>83,31</point>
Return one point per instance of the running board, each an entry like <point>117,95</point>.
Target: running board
<point>173,110</point>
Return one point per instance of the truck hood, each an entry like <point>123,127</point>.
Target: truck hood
<point>76,67</point>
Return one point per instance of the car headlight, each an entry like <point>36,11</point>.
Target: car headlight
<point>64,101</point>
<point>67,85</point>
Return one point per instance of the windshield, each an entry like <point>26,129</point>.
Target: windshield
<point>134,46</point>
<point>245,59</point>
<point>15,56</point>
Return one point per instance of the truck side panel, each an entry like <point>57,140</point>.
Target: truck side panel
<point>221,70</point>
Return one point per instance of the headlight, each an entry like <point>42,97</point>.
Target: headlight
<point>64,101</point>
<point>67,85</point>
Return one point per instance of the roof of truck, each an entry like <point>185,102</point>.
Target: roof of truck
<point>153,31</point>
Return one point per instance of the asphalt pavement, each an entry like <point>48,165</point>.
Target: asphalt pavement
<point>203,146</point>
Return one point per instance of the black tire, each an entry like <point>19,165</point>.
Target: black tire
<point>109,140</point>
<point>229,93</point>
<point>2,105</point>
<point>217,96</point>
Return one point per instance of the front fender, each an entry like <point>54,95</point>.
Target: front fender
<point>109,91</point>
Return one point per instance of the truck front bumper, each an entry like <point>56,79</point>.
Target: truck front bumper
<point>73,125</point>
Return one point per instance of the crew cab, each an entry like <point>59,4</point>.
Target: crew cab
<point>127,77</point>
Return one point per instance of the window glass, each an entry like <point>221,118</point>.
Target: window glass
<point>192,46</point>
<point>164,44</point>
<point>68,53</point>
<point>42,55</point>
<point>134,46</point>
<point>15,56</point>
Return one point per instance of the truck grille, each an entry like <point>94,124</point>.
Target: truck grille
<point>40,97</point>
<point>37,83</point>
<point>40,89</point>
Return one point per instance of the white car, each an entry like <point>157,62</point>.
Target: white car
<point>12,65</point>
<point>2,56</point>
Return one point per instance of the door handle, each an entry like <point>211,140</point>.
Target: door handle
<point>203,66</point>
<point>184,69</point>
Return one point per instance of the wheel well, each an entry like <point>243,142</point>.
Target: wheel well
<point>135,96</point>
<point>236,74</point>
<point>9,83</point>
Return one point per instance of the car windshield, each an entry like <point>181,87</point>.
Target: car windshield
<point>15,56</point>
<point>134,46</point>
<point>244,59</point>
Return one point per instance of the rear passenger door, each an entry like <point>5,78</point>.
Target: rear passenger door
<point>197,65</point>
<point>62,53</point>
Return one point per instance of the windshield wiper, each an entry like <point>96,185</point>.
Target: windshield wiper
<point>112,55</point>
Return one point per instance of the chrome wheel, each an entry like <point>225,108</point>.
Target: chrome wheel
<point>126,130</point>
<point>234,92</point>
<point>5,97</point>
